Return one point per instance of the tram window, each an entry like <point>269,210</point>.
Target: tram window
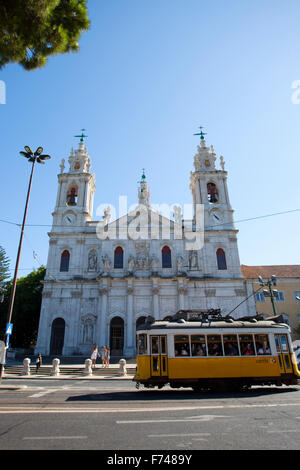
<point>142,344</point>
<point>182,345</point>
<point>277,343</point>
<point>231,347</point>
<point>262,345</point>
<point>247,345</point>
<point>154,344</point>
<point>283,341</point>
<point>163,345</point>
<point>198,345</point>
<point>214,344</point>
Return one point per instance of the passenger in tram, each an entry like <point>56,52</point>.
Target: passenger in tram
<point>199,350</point>
<point>247,350</point>
<point>215,350</point>
<point>230,350</point>
<point>183,351</point>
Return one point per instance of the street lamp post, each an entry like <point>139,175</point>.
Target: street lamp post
<point>270,292</point>
<point>33,158</point>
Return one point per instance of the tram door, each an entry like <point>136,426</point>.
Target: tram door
<point>159,356</point>
<point>282,346</point>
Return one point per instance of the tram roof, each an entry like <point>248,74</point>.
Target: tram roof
<point>215,322</point>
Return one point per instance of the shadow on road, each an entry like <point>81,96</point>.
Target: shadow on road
<point>184,394</point>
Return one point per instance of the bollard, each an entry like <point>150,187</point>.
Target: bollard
<point>88,367</point>
<point>55,367</point>
<point>122,368</point>
<point>26,366</point>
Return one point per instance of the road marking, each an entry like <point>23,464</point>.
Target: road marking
<point>176,420</point>
<point>282,431</point>
<point>33,409</point>
<point>48,438</point>
<point>198,434</point>
<point>42,393</point>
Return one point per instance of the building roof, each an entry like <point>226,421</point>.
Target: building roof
<point>280,271</point>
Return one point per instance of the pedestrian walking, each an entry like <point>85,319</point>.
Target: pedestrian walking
<point>38,363</point>
<point>94,355</point>
<point>107,357</point>
<point>103,355</point>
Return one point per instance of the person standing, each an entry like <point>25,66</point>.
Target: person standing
<point>107,358</point>
<point>94,355</point>
<point>103,355</point>
<point>38,363</point>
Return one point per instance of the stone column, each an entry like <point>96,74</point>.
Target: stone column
<point>129,347</point>
<point>155,292</point>
<point>181,288</point>
<point>102,337</point>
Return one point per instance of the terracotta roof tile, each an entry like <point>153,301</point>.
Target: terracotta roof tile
<point>280,271</point>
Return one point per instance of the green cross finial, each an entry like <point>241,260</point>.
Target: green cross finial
<point>143,177</point>
<point>202,134</point>
<point>82,136</point>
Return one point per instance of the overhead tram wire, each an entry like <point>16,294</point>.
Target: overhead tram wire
<point>207,227</point>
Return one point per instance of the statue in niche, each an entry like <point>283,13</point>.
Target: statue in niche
<point>92,262</point>
<point>131,264</point>
<point>106,263</point>
<point>180,264</point>
<point>193,260</point>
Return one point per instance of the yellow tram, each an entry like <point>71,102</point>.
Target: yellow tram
<point>203,350</point>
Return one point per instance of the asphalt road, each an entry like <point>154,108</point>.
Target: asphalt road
<point>113,415</point>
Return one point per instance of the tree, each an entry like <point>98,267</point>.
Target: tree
<point>26,312</point>
<point>4,266</point>
<point>33,30</point>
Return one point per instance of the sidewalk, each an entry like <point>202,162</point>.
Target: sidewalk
<point>67,372</point>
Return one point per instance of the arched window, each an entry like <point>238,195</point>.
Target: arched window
<point>72,195</point>
<point>212,193</point>
<point>118,257</point>
<point>221,259</point>
<point>166,257</point>
<point>64,261</point>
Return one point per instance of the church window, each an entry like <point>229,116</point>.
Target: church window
<point>65,261</point>
<point>212,193</point>
<point>118,258</point>
<point>166,257</point>
<point>221,259</point>
<point>72,195</point>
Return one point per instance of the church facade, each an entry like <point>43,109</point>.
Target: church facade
<point>104,278</point>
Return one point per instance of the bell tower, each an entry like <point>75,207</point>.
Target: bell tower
<point>209,188</point>
<point>76,188</point>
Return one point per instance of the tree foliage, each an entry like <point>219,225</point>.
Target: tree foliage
<point>26,311</point>
<point>33,30</point>
<point>4,266</point>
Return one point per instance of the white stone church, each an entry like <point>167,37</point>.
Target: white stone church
<point>106,277</point>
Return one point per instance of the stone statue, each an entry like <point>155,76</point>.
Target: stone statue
<point>106,263</point>
<point>62,165</point>
<point>131,264</point>
<point>193,260</point>
<point>180,264</point>
<point>107,215</point>
<point>177,215</point>
<point>92,263</point>
<point>222,163</point>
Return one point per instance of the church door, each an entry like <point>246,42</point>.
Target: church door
<point>116,336</point>
<point>57,337</point>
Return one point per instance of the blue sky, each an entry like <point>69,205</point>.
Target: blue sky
<point>146,76</point>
